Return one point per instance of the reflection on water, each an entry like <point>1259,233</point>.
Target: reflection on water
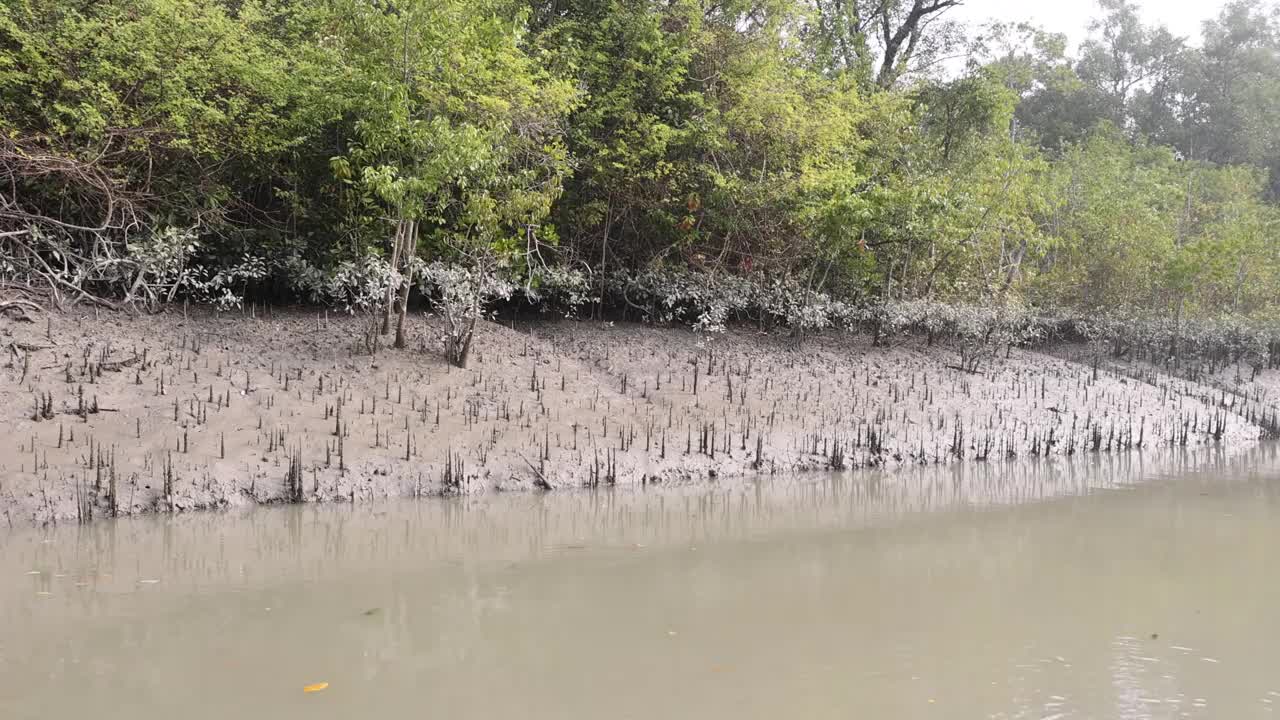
<point>1113,586</point>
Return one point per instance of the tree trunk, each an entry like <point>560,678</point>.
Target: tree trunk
<point>458,345</point>
<point>464,351</point>
<point>1177,328</point>
<point>410,253</point>
<point>604,254</point>
<point>389,302</point>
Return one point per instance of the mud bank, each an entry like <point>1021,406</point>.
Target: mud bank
<point>120,414</point>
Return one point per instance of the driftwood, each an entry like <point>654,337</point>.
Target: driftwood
<point>27,347</point>
<point>118,365</point>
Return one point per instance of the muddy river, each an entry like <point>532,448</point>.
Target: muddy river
<point>1113,587</point>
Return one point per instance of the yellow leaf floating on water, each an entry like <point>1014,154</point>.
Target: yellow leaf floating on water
<point>315,687</point>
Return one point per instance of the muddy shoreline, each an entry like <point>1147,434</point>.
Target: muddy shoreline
<point>117,414</point>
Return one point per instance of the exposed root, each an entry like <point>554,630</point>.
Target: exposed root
<point>18,308</point>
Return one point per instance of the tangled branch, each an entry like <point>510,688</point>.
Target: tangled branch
<point>89,185</point>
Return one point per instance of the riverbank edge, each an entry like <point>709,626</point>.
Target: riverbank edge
<point>275,384</point>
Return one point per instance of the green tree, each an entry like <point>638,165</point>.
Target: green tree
<point>454,126</point>
<point>1230,91</point>
<point>1123,56</point>
<point>881,41</point>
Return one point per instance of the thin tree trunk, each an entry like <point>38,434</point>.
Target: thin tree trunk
<point>604,253</point>
<point>389,302</point>
<point>410,253</point>
<point>1177,328</point>
<point>458,344</point>
<point>1179,237</point>
<point>464,351</point>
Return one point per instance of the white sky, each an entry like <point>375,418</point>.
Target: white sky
<point>1182,17</point>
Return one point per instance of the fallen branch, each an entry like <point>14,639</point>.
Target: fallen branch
<point>118,365</point>
<point>541,481</point>
<point>32,348</point>
<point>87,411</point>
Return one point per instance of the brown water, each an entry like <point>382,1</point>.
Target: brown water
<point>1104,588</point>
